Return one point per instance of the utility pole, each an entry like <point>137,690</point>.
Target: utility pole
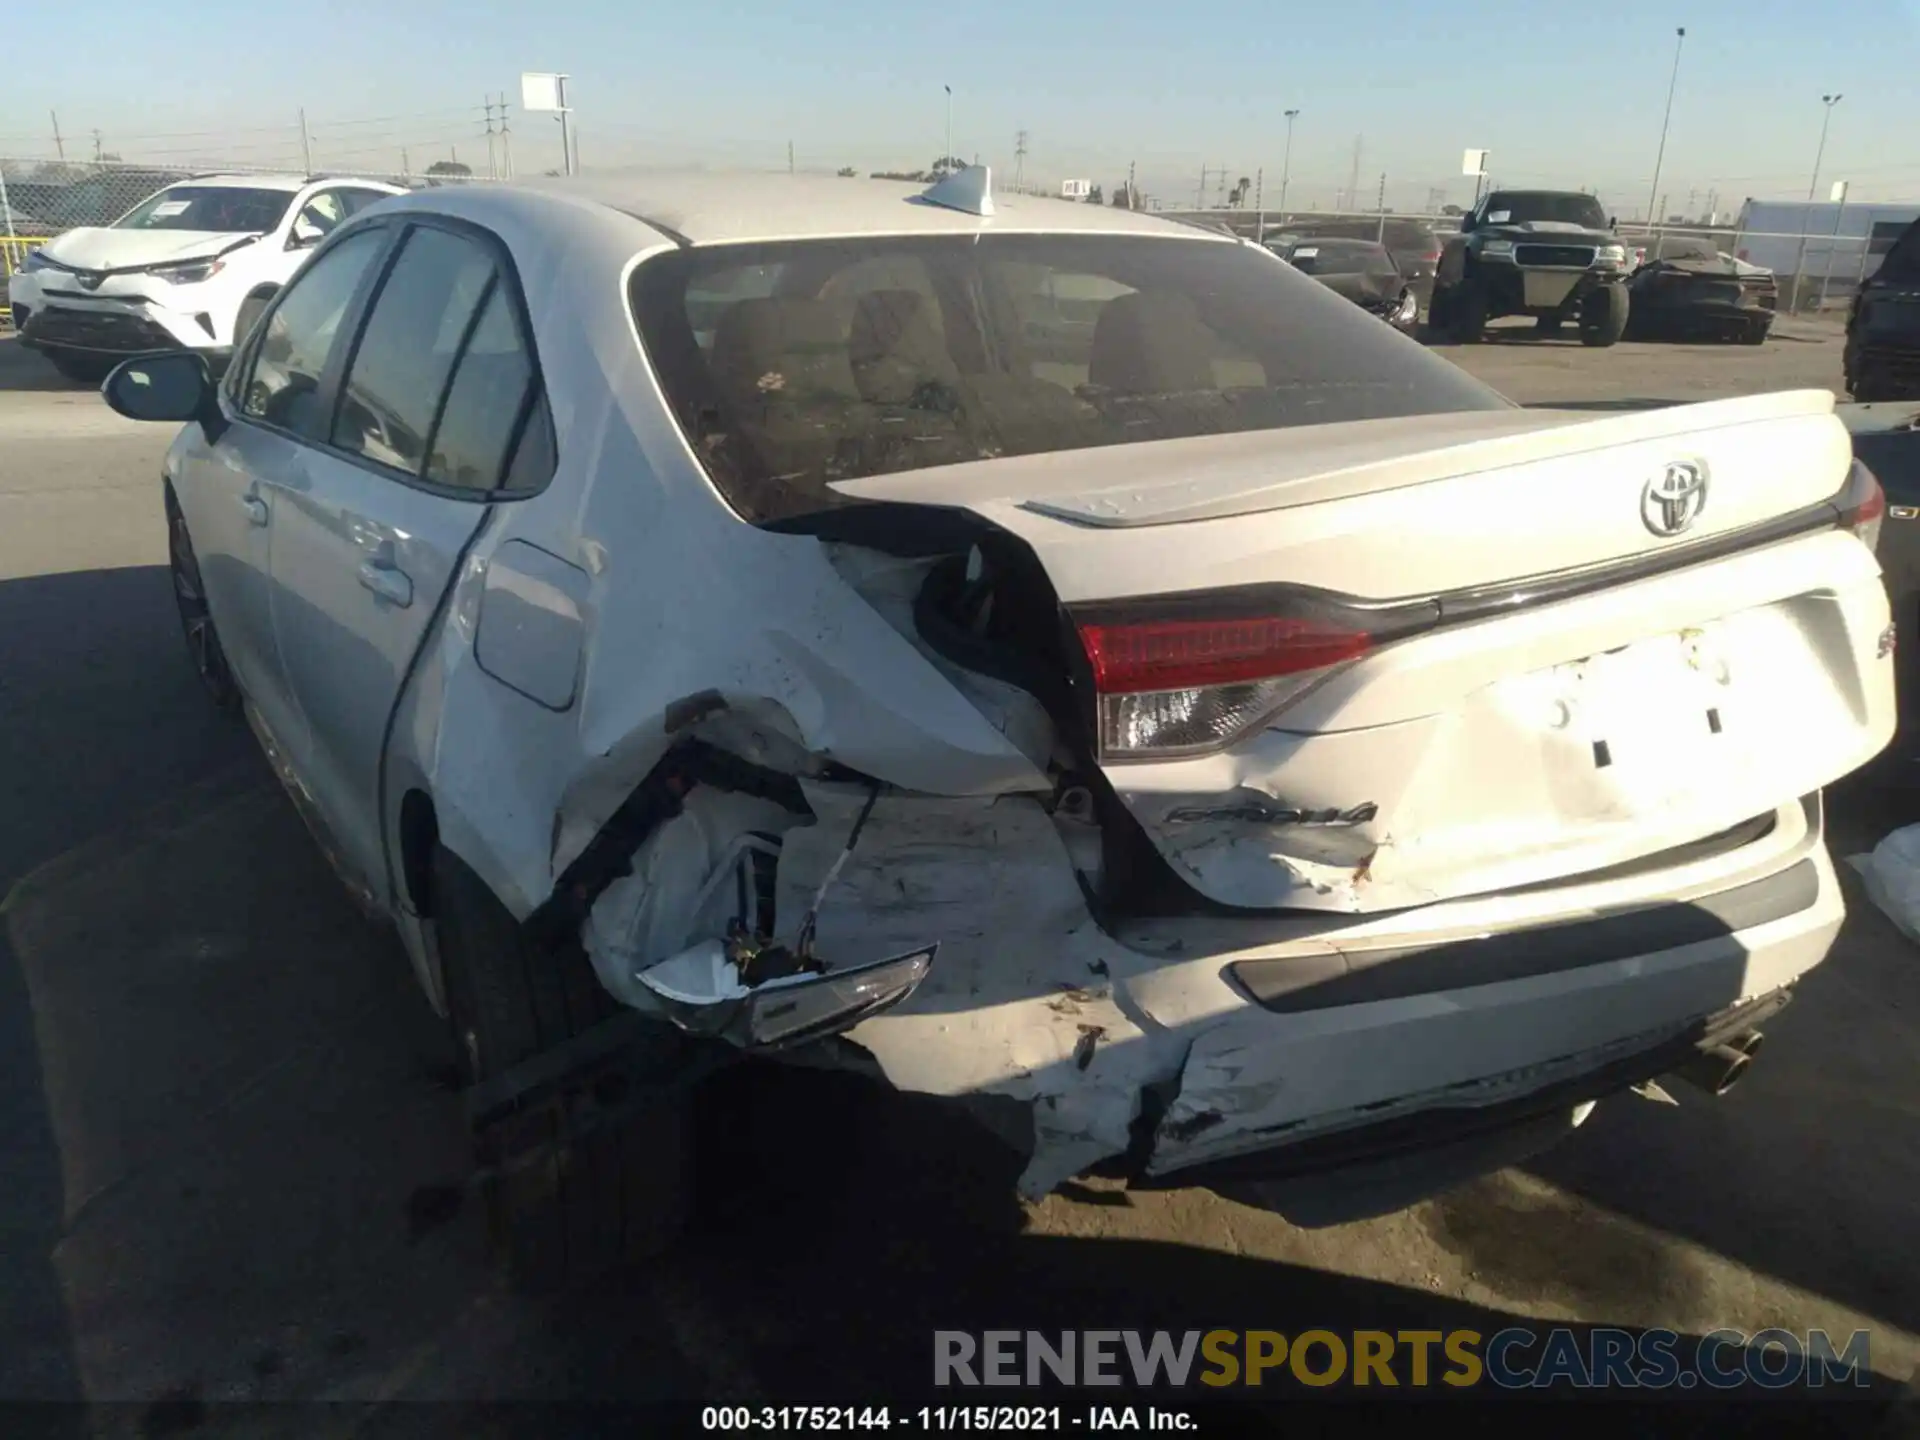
<point>567,148</point>
<point>1826,274</point>
<point>946,156</point>
<point>1133,195</point>
<point>59,145</point>
<point>1019,157</point>
<point>1353,176</point>
<point>1200,195</point>
<point>1286,165</point>
<point>406,165</point>
<point>789,157</point>
<point>1381,238</point>
<point>1260,207</point>
<point>96,147</point>
<point>306,146</point>
<point>493,159</point>
<point>1660,158</point>
<point>506,142</point>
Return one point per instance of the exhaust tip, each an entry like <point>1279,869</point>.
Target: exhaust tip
<point>1718,1068</point>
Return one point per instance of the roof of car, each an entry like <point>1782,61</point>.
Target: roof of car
<point>712,209</point>
<point>251,182</point>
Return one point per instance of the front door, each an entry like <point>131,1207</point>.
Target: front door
<point>227,489</point>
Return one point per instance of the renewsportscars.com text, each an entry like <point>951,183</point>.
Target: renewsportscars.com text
<point>1514,1358</point>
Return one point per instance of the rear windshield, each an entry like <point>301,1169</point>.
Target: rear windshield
<point>1339,257</point>
<point>790,366</point>
<point>225,208</point>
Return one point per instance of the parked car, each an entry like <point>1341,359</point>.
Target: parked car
<point>1198,751</point>
<point>1360,271</point>
<point>1687,289</point>
<point>1546,253</point>
<point>192,266</point>
<point>1882,357</point>
<point>1886,439</point>
<point>1414,246</point>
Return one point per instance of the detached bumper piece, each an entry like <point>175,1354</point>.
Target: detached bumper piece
<point>714,990</point>
<point>110,332</point>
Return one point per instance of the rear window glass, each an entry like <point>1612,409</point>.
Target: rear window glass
<point>1332,257</point>
<point>792,366</point>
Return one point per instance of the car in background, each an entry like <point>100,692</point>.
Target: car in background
<point>1360,270</point>
<point>1686,288</point>
<point>190,267</point>
<point>1882,358</point>
<point>1414,246</point>
<point>1886,439</point>
<point>1549,254</point>
<point>1188,744</point>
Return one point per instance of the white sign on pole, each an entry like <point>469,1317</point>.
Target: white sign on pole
<point>1838,195</point>
<point>1075,189</point>
<point>1474,162</point>
<point>541,92</point>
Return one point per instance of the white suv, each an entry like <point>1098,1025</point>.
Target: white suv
<point>190,267</point>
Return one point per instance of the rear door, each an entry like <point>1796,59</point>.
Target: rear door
<point>427,409</point>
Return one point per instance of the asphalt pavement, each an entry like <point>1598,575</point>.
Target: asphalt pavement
<point>231,1149</point>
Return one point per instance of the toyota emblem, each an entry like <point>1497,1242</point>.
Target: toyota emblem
<point>89,280</point>
<point>1673,499</point>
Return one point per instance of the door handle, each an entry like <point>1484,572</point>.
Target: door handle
<point>256,509</point>
<point>388,583</point>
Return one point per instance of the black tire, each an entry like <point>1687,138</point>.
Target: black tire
<point>1755,332</point>
<point>611,1197</point>
<point>81,367</point>
<point>1603,316</point>
<point>1547,326</point>
<point>196,619</point>
<point>248,316</point>
<point>1467,314</point>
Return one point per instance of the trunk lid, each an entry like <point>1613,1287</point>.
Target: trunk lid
<point>1360,667</point>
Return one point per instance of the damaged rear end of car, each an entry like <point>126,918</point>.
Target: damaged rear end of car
<point>1106,680</point>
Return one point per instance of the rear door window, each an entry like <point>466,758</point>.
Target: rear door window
<point>420,318</point>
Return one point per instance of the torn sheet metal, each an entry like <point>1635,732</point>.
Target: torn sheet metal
<point>1022,1001</point>
<point>693,877</point>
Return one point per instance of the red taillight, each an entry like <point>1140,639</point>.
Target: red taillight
<point>1863,505</point>
<point>1194,654</point>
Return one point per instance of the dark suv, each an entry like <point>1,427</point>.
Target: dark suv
<point>1551,254</point>
<point>1883,327</point>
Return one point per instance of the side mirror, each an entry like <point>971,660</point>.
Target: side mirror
<point>1466,223</point>
<point>176,387</point>
<point>305,235</point>
<point>1613,222</point>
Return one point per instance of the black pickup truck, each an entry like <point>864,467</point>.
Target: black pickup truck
<point>1551,254</point>
<point>1883,327</point>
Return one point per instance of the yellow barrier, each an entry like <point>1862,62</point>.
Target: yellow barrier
<point>14,248</point>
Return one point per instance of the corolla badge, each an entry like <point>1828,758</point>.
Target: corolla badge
<point>1674,498</point>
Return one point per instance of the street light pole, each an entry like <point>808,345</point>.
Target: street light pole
<point>1821,154</point>
<point>1286,165</point>
<point>1660,159</point>
<point>1800,258</point>
<point>947,158</point>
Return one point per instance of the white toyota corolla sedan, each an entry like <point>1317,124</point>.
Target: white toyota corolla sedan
<point>1037,654</point>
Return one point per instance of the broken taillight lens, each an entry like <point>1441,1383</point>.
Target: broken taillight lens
<point>1863,505</point>
<point>1189,682</point>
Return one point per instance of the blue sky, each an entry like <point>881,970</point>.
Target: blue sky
<point>1567,96</point>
